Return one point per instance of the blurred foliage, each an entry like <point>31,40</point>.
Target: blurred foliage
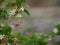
<point>58,27</point>
<point>3,14</point>
<point>33,39</point>
<point>28,39</point>
<point>57,43</point>
<point>1,1</point>
<point>5,29</point>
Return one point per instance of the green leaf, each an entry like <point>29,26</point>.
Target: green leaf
<point>20,1</point>
<point>8,6</point>
<point>3,14</point>
<point>26,11</point>
<point>1,1</point>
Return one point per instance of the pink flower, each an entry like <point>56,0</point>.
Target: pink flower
<point>15,9</point>
<point>17,25</point>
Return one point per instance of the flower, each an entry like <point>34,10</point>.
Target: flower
<point>12,12</point>
<point>21,9</point>
<point>55,30</point>
<point>18,15</point>
<point>17,25</point>
<point>15,9</point>
<point>1,36</point>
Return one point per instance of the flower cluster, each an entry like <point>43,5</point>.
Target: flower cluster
<point>16,12</point>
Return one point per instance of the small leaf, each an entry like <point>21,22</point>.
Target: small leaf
<point>26,11</point>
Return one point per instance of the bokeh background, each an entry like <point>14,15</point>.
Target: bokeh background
<point>44,14</point>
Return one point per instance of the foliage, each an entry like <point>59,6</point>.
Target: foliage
<point>5,29</point>
<point>3,14</point>
<point>16,6</point>
<point>1,1</point>
<point>57,43</point>
<point>31,39</point>
<point>58,28</point>
<point>18,38</point>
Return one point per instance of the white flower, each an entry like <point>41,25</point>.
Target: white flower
<point>12,12</point>
<point>19,15</point>
<point>1,36</point>
<point>55,30</point>
<point>22,9</point>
